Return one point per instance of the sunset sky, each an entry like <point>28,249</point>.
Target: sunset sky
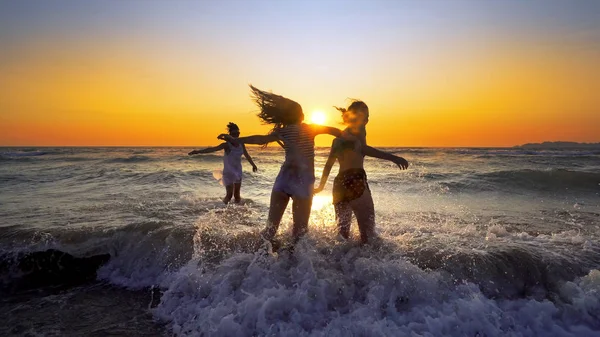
<point>174,73</point>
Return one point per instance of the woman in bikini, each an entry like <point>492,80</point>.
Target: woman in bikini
<point>351,192</point>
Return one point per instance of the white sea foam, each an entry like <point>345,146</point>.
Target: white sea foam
<point>353,291</point>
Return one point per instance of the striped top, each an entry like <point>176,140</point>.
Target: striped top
<point>299,143</point>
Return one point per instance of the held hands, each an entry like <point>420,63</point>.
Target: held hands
<point>402,163</point>
<point>318,189</point>
<point>229,139</point>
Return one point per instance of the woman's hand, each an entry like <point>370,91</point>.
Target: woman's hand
<point>318,189</point>
<point>254,168</point>
<point>229,139</point>
<point>192,153</point>
<point>402,163</point>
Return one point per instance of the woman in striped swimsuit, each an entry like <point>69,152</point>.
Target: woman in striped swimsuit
<point>296,176</point>
<point>351,192</point>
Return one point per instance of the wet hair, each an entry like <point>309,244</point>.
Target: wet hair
<point>348,114</point>
<point>232,127</point>
<point>275,109</point>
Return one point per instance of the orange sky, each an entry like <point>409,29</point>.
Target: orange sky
<point>169,78</point>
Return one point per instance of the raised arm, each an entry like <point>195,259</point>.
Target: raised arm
<point>327,169</point>
<point>247,155</point>
<point>209,149</point>
<point>256,139</point>
<point>373,152</point>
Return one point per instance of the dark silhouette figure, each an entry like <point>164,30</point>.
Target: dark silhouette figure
<point>351,192</point>
<point>232,163</point>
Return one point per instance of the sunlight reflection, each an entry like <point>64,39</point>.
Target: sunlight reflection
<point>321,201</point>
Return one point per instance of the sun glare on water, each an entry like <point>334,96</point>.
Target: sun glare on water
<point>321,201</point>
<point>318,117</point>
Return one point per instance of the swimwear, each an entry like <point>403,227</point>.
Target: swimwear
<point>294,181</point>
<point>349,185</point>
<point>298,142</point>
<point>296,177</point>
<point>341,144</point>
<point>232,165</point>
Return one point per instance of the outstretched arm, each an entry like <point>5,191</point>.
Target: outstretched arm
<point>321,129</point>
<point>209,149</point>
<point>256,139</point>
<point>247,155</point>
<point>373,152</point>
<point>326,170</point>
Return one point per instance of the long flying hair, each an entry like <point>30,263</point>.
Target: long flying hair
<point>275,109</point>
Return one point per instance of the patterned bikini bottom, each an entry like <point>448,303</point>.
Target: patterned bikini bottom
<point>349,185</point>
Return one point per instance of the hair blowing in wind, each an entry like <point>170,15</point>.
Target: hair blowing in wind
<point>276,109</point>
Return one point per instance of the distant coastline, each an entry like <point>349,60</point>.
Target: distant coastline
<point>559,145</point>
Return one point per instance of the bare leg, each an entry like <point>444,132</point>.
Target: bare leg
<point>229,190</point>
<point>279,201</point>
<point>343,217</point>
<point>364,210</point>
<point>236,192</point>
<point>301,213</point>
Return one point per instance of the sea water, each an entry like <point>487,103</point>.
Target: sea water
<point>475,242</point>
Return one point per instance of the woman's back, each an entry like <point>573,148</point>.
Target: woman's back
<point>299,144</point>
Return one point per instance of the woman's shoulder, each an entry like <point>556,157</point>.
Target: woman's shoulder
<point>340,144</point>
<point>291,128</point>
<point>337,144</point>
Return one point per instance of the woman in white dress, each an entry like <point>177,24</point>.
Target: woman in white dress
<point>232,163</point>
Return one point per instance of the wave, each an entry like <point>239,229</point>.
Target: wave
<point>23,154</point>
<point>520,181</point>
<point>146,254</point>
<point>140,253</point>
<point>344,290</point>
<point>555,178</point>
<point>130,160</point>
<point>15,159</point>
<point>47,268</point>
<point>214,280</point>
<point>548,154</point>
<point>533,180</point>
<point>211,158</point>
<point>505,271</point>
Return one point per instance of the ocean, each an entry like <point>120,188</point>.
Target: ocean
<point>135,241</point>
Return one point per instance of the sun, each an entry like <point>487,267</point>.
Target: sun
<point>318,117</point>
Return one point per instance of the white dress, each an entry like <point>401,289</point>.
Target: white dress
<point>232,165</point>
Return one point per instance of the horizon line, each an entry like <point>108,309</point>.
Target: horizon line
<point>316,146</point>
